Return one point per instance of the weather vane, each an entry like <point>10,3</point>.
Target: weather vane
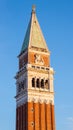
<point>33,8</point>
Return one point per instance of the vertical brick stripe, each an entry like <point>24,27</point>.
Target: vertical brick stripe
<point>45,117</point>
<point>53,117</point>
<point>30,116</point>
<point>39,116</point>
<point>17,119</point>
<point>42,116</point>
<point>48,117</point>
<point>24,117</point>
<point>21,118</point>
<point>33,111</point>
<point>36,109</point>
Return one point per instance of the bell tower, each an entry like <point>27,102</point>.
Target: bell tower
<point>34,82</point>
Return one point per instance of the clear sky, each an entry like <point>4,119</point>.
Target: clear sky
<point>56,20</point>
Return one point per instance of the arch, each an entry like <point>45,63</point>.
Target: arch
<point>47,84</point>
<point>38,83</point>
<point>42,83</point>
<point>33,82</point>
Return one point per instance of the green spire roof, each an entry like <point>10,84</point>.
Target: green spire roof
<point>26,39</point>
<point>34,36</point>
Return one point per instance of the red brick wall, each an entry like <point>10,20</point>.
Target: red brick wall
<point>31,59</point>
<point>48,117</point>
<point>30,116</point>
<point>35,116</point>
<point>17,119</point>
<point>53,117</point>
<point>42,116</point>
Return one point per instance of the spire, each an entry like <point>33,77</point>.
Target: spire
<point>33,9</point>
<point>34,36</point>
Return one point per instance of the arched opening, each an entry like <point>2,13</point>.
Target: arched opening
<point>47,84</point>
<point>42,83</point>
<point>37,83</point>
<point>33,82</point>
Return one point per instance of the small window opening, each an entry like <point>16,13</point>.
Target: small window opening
<point>42,68</point>
<point>38,67</point>
<point>33,82</point>
<point>46,84</point>
<point>32,109</point>
<point>35,22</point>
<point>42,83</point>
<point>37,83</point>
<point>47,68</point>
<point>33,66</point>
<point>32,123</point>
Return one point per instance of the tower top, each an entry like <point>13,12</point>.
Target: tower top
<point>33,8</point>
<point>34,37</point>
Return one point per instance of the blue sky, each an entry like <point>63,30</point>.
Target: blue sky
<point>56,20</point>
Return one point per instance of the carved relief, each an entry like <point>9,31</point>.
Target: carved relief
<point>38,59</point>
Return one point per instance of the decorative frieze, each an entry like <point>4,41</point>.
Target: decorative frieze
<point>36,99</point>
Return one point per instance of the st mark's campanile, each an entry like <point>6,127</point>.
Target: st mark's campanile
<point>34,82</point>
